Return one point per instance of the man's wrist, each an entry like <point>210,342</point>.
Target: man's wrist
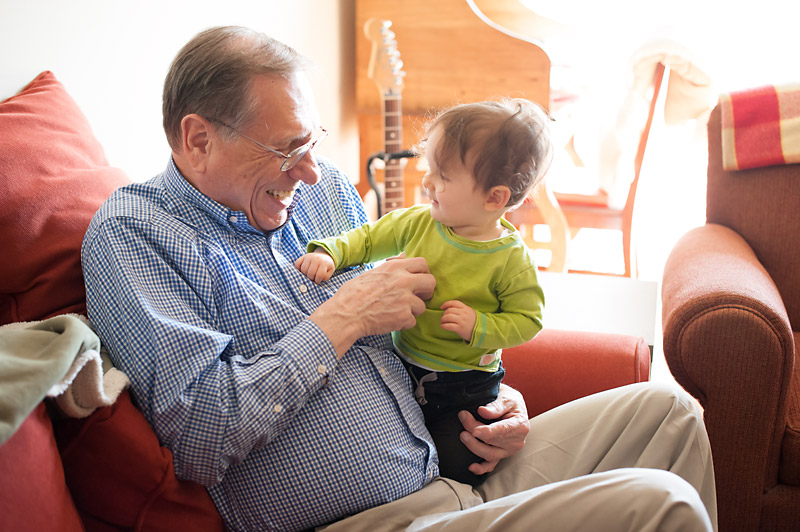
<point>341,327</point>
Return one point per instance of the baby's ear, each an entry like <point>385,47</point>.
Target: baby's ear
<point>497,198</point>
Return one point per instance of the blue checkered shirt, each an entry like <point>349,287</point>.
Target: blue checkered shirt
<point>209,319</point>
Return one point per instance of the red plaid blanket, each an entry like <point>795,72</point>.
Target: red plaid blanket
<point>760,127</point>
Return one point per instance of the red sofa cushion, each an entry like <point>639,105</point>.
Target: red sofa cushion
<point>121,477</point>
<point>33,495</point>
<point>53,177</point>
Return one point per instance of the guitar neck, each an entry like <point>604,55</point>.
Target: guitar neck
<point>393,196</point>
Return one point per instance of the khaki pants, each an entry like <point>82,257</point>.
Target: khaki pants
<point>634,458</point>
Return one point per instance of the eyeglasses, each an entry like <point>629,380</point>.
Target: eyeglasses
<point>291,159</point>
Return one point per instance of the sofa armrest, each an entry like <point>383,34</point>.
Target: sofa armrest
<point>559,366</point>
<point>728,342</point>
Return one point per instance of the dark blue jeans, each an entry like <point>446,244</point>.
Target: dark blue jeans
<point>442,395</point>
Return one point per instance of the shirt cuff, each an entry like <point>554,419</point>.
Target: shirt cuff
<point>311,351</point>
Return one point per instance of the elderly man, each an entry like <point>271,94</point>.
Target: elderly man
<point>283,397</point>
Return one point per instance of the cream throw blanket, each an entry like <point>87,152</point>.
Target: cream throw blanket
<point>60,358</point>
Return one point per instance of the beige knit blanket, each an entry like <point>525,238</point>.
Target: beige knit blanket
<point>59,358</point>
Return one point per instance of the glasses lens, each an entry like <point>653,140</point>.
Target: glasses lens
<point>295,156</point>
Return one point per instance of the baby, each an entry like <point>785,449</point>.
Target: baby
<point>484,159</point>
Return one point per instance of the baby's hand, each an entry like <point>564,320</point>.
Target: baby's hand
<point>317,266</point>
<point>458,318</point>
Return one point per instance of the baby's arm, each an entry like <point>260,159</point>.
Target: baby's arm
<point>518,319</point>
<point>458,318</point>
<point>317,266</point>
<point>368,243</point>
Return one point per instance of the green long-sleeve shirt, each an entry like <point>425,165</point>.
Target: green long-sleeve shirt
<point>496,278</point>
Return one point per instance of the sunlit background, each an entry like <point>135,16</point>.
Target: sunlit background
<point>736,44</point>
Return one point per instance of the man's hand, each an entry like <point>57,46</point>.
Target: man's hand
<point>381,300</point>
<point>458,318</point>
<point>317,266</point>
<point>501,439</point>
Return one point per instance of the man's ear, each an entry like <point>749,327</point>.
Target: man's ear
<point>497,198</point>
<point>196,135</point>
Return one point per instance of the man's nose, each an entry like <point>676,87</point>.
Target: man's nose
<point>307,170</point>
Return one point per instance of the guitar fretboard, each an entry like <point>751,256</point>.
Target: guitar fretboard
<point>393,195</point>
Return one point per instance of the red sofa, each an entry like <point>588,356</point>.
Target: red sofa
<point>107,471</point>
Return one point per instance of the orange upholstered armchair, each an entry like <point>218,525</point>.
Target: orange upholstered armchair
<point>731,309</point>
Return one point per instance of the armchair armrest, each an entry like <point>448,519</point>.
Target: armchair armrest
<point>722,314</point>
<point>728,342</point>
<point>559,366</point>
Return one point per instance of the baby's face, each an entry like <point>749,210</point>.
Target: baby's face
<point>455,197</point>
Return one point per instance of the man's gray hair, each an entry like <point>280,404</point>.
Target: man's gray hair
<point>211,76</point>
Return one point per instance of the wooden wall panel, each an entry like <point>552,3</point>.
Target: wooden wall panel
<point>449,56</point>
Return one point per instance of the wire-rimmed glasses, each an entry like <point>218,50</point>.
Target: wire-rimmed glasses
<point>290,159</point>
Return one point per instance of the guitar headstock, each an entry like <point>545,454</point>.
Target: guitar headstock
<point>385,66</point>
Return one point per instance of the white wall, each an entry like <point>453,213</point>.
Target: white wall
<point>112,56</point>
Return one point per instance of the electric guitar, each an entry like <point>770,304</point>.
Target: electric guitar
<point>386,70</point>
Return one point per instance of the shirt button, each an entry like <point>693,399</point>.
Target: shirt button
<point>383,371</point>
<point>303,288</point>
<point>232,219</point>
<point>321,369</point>
<point>277,409</point>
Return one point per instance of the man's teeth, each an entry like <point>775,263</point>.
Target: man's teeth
<point>280,194</point>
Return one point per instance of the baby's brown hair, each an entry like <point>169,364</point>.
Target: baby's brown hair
<point>507,142</point>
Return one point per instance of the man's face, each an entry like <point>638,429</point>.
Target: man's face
<point>246,177</point>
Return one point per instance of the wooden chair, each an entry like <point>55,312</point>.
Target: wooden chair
<point>451,52</point>
<point>594,210</point>
<point>587,209</point>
